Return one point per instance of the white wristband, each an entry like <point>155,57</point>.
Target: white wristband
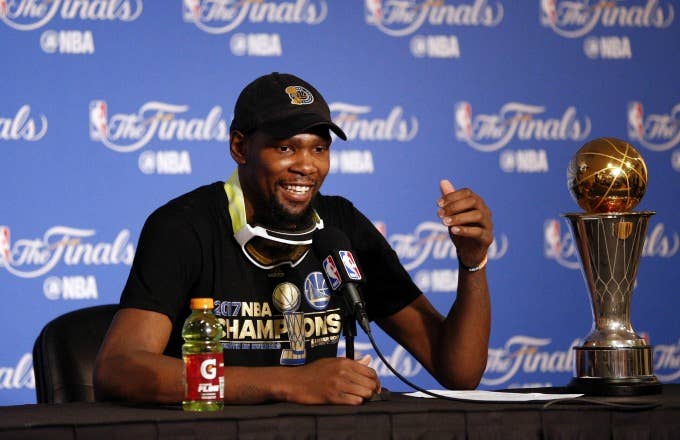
<point>480,266</point>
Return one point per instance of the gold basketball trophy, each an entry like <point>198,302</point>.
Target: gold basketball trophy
<point>608,177</point>
<point>286,298</point>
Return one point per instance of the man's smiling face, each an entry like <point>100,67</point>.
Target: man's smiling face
<point>280,177</point>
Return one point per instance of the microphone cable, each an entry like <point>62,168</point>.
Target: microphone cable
<point>547,405</point>
<point>401,377</point>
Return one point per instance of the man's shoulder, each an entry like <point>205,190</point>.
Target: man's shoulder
<point>331,204</point>
<point>337,211</point>
<point>195,205</point>
<point>206,194</point>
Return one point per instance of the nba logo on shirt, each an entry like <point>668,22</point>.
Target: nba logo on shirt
<point>331,272</point>
<point>350,265</point>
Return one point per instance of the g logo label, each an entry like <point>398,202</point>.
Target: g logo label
<point>209,369</point>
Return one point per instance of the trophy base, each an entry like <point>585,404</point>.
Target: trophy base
<point>632,386</point>
<point>614,363</point>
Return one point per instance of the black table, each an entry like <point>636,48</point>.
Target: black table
<point>398,417</point>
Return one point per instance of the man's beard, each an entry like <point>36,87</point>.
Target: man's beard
<point>282,219</point>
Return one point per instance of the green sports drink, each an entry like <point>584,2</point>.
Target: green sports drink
<point>203,358</point>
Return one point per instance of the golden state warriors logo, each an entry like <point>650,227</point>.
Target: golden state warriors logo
<point>299,95</point>
<point>316,291</point>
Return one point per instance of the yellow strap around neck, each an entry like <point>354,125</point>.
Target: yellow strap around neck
<point>237,204</point>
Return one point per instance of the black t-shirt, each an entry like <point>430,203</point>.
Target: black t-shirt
<point>187,249</point>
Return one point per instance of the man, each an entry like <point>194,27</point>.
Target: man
<point>245,243</point>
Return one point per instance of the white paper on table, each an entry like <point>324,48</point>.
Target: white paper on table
<point>495,396</point>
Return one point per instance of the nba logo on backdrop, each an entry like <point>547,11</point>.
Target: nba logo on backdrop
<point>558,245</point>
<point>656,132</point>
<point>636,124</point>
<point>553,238</point>
<point>192,10</point>
<point>5,252</point>
<point>548,12</point>
<point>463,115</point>
<point>98,120</point>
<point>373,11</point>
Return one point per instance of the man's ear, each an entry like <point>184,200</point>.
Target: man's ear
<point>237,147</point>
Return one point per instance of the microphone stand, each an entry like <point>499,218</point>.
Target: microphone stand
<point>349,331</point>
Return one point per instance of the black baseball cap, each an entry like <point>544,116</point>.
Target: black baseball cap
<point>281,105</point>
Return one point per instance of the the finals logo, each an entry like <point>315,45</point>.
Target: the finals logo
<point>574,18</point>
<point>221,17</point>
<point>28,15</point>
<point>398,18</point>
<point>34,257</point>
<point>128,132</point>
<point>579,18</point>
<point>655,131</point>
<point>154,120</point>
<point>23,126</point>
<point>491,132</point>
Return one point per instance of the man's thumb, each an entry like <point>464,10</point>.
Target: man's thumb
<point>446,187</point>
<point>365,360</point>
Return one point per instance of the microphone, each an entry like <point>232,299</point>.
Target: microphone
<point>333,248</point>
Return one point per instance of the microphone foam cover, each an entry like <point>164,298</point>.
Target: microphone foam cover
<point>329,239</point>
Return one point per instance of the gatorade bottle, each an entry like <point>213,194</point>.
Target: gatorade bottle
<point>203,358</point>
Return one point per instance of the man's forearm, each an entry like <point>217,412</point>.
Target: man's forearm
<point>253,384</point>
<point>462,360</point>
<point>148,377</point>
<point>324,381</point>
<point>139,377</point>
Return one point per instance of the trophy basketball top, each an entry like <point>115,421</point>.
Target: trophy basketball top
<point>607,175</point>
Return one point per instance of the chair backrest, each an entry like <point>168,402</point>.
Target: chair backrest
<point>64,354</point>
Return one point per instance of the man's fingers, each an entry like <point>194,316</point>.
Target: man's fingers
<point>366,374</point>
<point>470,218</point>
<point>358,381</point>
<point>360,390</point>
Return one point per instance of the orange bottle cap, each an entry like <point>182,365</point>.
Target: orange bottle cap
<point>201,303</point>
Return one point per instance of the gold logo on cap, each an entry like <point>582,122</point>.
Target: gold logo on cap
<point>299,95</point>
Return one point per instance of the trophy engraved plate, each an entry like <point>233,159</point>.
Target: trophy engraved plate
<point>608,177</point>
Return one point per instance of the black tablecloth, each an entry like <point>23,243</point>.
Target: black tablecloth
<point>398,417</point>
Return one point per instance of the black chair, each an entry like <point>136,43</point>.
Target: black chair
<point>64,354</point>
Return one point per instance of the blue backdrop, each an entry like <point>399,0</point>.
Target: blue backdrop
<point>109,108</point>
